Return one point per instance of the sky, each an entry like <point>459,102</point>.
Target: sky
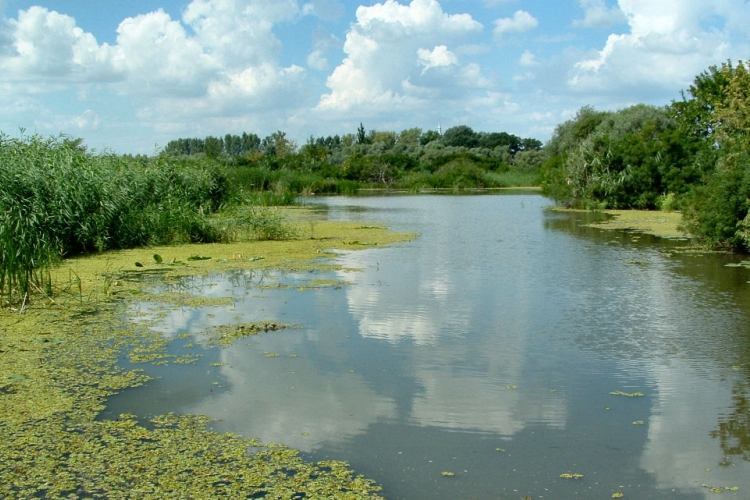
<point>128,77</point>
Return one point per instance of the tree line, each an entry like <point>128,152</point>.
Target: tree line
<point>692,155</point>
<point>412,159</point>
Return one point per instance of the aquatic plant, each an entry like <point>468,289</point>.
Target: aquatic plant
<point>57,199</point>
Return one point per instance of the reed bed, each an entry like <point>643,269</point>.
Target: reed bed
<point>57,199</point>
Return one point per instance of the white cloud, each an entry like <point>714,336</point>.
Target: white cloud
<point>43,45</point>
<point>389,51</point>
<point>317,60</point>
<point>88,120</point>
<point>521,22</point>
<point>239,33</point>
<point>598,15</point>
<point>440,56</point>
<point>327,10</point>
<point>528,59</point>
<point>161,59</point>
<point>666,47</point>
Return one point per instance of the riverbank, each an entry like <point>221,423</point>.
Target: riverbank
<point>60,359</point>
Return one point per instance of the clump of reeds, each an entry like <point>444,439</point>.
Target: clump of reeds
<point>57,199</point>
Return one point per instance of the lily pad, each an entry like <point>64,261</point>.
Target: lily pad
<point>198,257</point>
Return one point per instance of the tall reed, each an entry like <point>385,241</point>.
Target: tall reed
<point>57,199</point>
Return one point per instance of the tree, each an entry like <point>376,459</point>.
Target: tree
<point>461,135</point>
<point>429,136</point>
<point>718,116</point>
<point>362,135</point>
<point>410,136</point>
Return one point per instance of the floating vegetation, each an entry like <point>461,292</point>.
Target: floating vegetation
<point>635,262</point>
<point>511,387</point>
<point>619,494</point>
<point>198,257</point>
<point>720,489</point>
<point>638,422</point>
<point>447,473</point>
<point>568,475</point>
<point>227,334</point>
<point>627,394</point>
<point>53,388</point>
<point>744,263</point>
<point>661,224</point>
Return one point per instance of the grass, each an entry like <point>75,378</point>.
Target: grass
<point>57,200</point>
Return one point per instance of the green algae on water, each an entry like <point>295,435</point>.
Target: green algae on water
<point>59,364</point>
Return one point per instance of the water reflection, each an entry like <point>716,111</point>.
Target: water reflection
<point>503,327</point>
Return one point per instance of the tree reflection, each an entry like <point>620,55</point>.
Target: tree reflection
<point>733,430</point>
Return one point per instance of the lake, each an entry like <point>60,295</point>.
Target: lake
<point>507,352</point>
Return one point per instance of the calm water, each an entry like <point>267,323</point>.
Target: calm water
<point>488,347</point>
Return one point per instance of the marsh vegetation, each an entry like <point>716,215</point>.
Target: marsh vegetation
<point>82,232</point>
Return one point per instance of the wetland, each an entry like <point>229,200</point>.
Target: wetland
<point>507,351</point>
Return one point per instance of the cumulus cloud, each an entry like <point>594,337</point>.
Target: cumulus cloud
<point>239,33</point>
<point>598,15</point>
<point>440,56</point>
<point>161,58</point>
<point>220,58</point>
<point>666,47</point>
<point>521,22</point>
<point>43,45</point>
<point>398,55</point>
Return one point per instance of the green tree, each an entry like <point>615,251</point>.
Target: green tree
<point>461,135</point>
<point>362,135</point>
<point>718,114</point>
<point>429,136</point>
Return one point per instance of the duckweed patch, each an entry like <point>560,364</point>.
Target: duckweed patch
<point>719,489</point>
<point>627,394</point>
<point>661,224</point>
<point>568,475</point>
<point>225,335</point>
<point>59,364</point>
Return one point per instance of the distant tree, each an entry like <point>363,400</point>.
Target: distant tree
<point>278,145</point>
<point>250,142</point>
<point>530,144</point>
<point>214,147</point>
<point>387,139</point>
<point>429,136</point>
<point>494,139</point>
<point>461,136</point>
<point>362,135</point>
<point>410,136</point>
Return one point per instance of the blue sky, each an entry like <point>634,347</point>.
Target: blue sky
<point>130,76</point>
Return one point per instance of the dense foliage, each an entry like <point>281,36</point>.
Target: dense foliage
<point>411,159</point>
<point>57,199</point>
<point>693,155</point>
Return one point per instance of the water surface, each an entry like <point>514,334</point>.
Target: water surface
<point>488,348</point>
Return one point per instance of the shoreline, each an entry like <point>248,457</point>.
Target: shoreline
<point>59,364</point>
